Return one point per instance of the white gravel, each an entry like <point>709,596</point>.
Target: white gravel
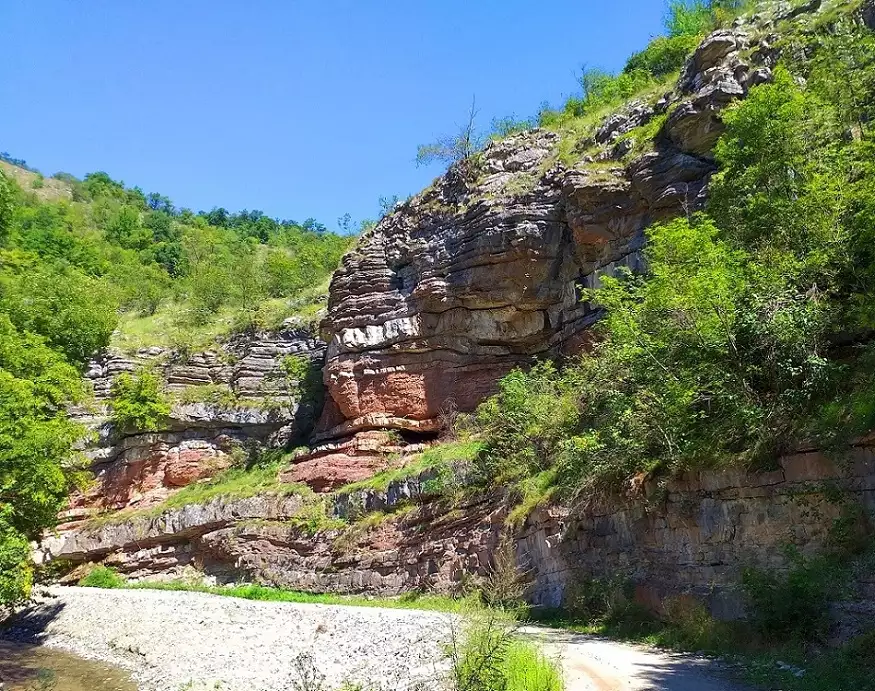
<point>175,641</point>
<point>179,640</point>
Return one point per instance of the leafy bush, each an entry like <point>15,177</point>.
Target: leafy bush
<point>74,312</point>
<point>102,577</point>
<point>688,18</point>
<point>16,572</point>
<point>749,332</point>
<point>304,380</point>
<point>488,656</point>
<point>794,605</point>
<point>37,464</point>
<point>600,89</point>
<point>663,55</point>
<point>138,402</point>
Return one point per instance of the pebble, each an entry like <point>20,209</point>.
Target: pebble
<point>174,640</point>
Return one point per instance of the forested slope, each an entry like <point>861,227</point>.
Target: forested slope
<point>89,263</point>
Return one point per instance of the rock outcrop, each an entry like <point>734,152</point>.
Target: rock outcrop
<point>482,271</point>
<point>692,535</point>
<point>247,404</point>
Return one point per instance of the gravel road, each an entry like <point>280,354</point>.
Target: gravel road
<point>176,640</point>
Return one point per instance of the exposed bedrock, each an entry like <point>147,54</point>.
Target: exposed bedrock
<point>692,535</point>
<point>482,271</point>
<point>256,408</point>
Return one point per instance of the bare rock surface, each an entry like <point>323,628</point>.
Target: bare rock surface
<point>199,437</point>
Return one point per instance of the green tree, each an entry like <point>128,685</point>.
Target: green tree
<point>138,402</point>
<point>7,205</point>
<point>75,313</point>
<point>36,438</point>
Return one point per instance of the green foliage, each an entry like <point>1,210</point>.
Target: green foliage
<point>688,18</point>
<point>526,668</point>
<point>510,125</point>
<point>794,605</point>
<point>219,395</point>
<point>36,439</point>
<point>304,379</point>
<point>74,312</point>
<point>663,55</point>
<point>138,402</point>
<point>233,483</point>
<point>751,330</point>
<point>16,573</point>
<point>101,576</point>
<point>698,17</point>
<point>487,655</point>
<point>600,89</point>
<point>412,600</point>
<point>7,205</point>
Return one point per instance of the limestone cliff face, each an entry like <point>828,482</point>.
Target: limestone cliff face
<point>482,271</point>
<point>200,437</point>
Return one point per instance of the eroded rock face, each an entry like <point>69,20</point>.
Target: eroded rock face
<point>691,536</point>
<point>199,438</point>
<point>334,464</point>
<point>482,271</point>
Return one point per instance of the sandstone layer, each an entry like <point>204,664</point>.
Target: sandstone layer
<point>689,536</point>
<point>256,408</point>
<point>482,271</point>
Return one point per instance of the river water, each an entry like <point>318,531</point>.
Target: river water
<point>35,668</point>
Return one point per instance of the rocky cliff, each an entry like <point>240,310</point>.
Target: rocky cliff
<point>692,536</point>
<point>226,403</point>
<point>479,273</point>
<point>482,271</point>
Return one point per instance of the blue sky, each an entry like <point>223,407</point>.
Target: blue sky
<point>298,109</point>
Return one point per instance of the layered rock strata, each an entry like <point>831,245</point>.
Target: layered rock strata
<point>482,271</point>
<point>689,536</point>
<point>247,404</point>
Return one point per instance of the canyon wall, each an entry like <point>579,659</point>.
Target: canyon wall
<point>692,535</point>
<point>482,271</point>
<point>226,403</point>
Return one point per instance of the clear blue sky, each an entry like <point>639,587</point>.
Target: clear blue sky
<point>295,108</point>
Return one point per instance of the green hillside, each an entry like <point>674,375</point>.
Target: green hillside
<point>89,263</point>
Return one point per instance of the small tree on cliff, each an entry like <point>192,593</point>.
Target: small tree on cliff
<point>451,148</point>
<point>137,402</point>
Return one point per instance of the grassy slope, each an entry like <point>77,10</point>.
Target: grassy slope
<point>45,189</point>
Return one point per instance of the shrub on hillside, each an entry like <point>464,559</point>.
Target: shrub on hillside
<point>102,577</point>
<point>663,55</point>
<point>137,401</point>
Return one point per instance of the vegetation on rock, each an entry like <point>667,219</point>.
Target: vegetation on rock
<point>137,402</point>
<point>88,261</point>
<point>751,330</point>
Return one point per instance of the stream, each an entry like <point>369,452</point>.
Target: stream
<point>26,667</point>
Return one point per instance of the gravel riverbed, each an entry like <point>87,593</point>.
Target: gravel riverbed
<point>178,640</point>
